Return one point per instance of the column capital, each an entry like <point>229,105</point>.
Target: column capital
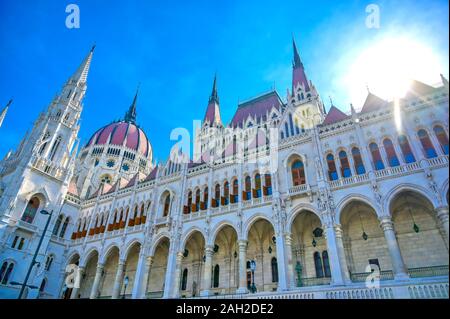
<point>209,250</point>
<point>242,244</point>
<point>180,256</point>
<point>338,230</point>
<point>149,260</point>
<point>100,266</point>
<point>288,239</point>
<point>442,211</point>
<point>386,223</point>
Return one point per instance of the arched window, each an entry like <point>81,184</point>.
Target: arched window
<point>21,243</point>
<point>217,195</point>
<point>189,203</point>
<point>257,185</point>
<point>248,188</point>
<point>30,210</point>
<point>216,276</point>
<point>357,159</point>
<point>345,166</point>
<point>428,147</point>
<point>406,149</point>
<point>332,173</point>
<point>226,193</point>
<point>318,265</point>
<point>442,138</point>
<point>48,262</point>
<point>166,205</point>
<point>390,151</point>
<point>57,225</point>
<point>326,264</point>
<point>274,266</point>
<point>55,147</point>
<point>205,198</point>
<point>376,156</point>
<point>197,200</point>
<point>43,284</point>
<point>184,279</point>
<point>268,184</point>
<point>64,227</point>
<point>235,191</point>
<point>298,173</point>
<point>5,272</point>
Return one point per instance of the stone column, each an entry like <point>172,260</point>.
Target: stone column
<point>177,276</point>
<point>333,256</point>
<point>141,272</point>
<point>341,253</point>
<point>146,274</point>
<point>98,276</point>
<point>281,263</point>
<point>442,214</point>
<point>399,268</point>
<point>289,262</point>
<point>77,282</point>
<point>242,267</point>
<point>207,271</point>
<point>118,280</point>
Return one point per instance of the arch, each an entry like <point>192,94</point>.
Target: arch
<point>85,259</point>
<point>253,220</point>
<point>218,228</point>
<point>441,136</point>
<point>157,241</point>
<point>294,212</point>
<point>72,257</point>
<point>342,204</point>
<point>108,251</point>
<point>130,246</point>
<point>292,156</point>
<point>31,209</point>
<point>427,146</point>
<point>392,194</point>
<point>188,234</point>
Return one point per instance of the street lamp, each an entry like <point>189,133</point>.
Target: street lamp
<point>34,262</point>
<point>125,282</point>
<point>253,268</point>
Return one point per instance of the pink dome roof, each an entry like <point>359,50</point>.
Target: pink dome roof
<point>122,133</point>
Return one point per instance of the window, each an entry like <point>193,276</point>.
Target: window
<point>345,166</point>
<point>216,276</point>
<point>390,151</point>
<point>258,185</point>
<point>428,147</point>
<point>205,198</point>
<point>57,225</point>
<point>15,242</point>
<point>106,179</point>
<point>64,227</point>
<point>236,190</point>
<point>226,193</point>
<point>48,262</point>
<point>30,210</point>
<point>55,147</point>
<point>21,243</point>
<point>332,173</point>
<point>184,279</point>
<point>166,205</point>
<point>126,167</point>
<point>376,156</point>
<point>406,149</point>
<point>5,272</point>
<point>318,265</point>
<point>43,284</point>
<point>298,173</point>
<point>197,200</point>
<point>442,138</point>
<point>248,188</point>
<point>357,159</point>
<point>110,163</point>
<point>326,264</point>
<point>274,266</point>
<point>217,196</point>
<point>268,184</point>
<point>189,203</point>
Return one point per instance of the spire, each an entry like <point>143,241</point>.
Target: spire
<point>130,115</point>
<point>4,111</point>
<point>80,76</point>
<point>214,95</point>
<point>298,73</point>
<point>213,111</point>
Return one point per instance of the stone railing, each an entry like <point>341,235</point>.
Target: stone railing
<point>48,167</point>
<point>433,271</point>
<point>155,294</point>
<point>299,189</point>
<point>362,277</point>
<point>308,282</point>
<point>356,179</point>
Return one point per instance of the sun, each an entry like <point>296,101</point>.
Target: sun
<point>387,66</point>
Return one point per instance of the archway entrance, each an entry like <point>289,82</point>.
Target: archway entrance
<point>191,282</point>
<point>155,285</point>
<point>88,275</point>
<point>109,273</point>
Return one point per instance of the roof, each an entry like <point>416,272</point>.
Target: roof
<point>256,108</point>
<point>122,133</point>
<point>418,88</point>
<point>335,115</point>
<point>373,103</point>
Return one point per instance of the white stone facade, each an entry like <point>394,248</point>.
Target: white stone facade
<point>385,206</point>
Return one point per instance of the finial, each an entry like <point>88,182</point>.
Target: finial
<point>93,47</point>
<point>331,100</point>
<point>367,87</point>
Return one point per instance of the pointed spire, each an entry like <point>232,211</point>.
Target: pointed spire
<point>444,81</point>
<point>130,115</point>
<point>80,75</point>
<point>214,95</point>
<point>4,111</point>
<point>352,109</point>
<point>298,73</point>
<point>213,111</point>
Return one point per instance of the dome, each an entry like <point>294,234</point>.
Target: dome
<point>123,133</point>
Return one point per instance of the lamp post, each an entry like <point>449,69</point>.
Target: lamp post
<point>34,262</point>
<point>253,268</point>
<point>125,282</point>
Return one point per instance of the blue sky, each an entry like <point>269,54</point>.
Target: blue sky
<point>174,48</point>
